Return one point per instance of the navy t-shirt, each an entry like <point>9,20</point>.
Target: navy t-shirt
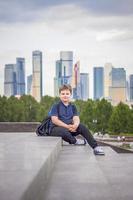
<point>63,112</point>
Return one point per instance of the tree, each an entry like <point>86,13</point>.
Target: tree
<point>30,108</point>
<point>87,114</point>
<point>119,120</point>
<point>102,112</point>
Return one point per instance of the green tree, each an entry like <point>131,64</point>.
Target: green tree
<point>30,108</point>
<point>87,114</point>
<point>119,120</point>
<point>102,112</point>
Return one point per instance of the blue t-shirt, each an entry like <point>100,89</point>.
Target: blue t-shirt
<point>63,112</point>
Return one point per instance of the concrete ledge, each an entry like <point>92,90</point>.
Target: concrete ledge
<point>18,126</point>
<point>26,162</point>
<point>114,147</point>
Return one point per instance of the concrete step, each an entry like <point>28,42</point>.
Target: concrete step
<point>26,162</point>
<point>79,174</point>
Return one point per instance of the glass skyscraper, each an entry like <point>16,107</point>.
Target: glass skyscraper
<point>131,87</point>
<point>66,58</point>
<point>98,82</point>
<point>84,86</point>
<point>20,75</point>
<point>37,75</point>
<point>76,82</point>
<point>107,70</point>
<point>117,90</point>
<point>64,69</point>
<point>9,80</point>
<point>29,85</point>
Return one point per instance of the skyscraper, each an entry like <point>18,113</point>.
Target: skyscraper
<point>37,75</point>
<point>20,75</point>
<point>84,85</point>
<point>107,70</point>
<point>76,81</point>
<point>57,78</point>
<point>9,80</point>
<point>64,68</point>
<point>117,90</point>
<point>66,58</point>
<point>131,87</point>
<point>29,85</point>
<point>98,82</point>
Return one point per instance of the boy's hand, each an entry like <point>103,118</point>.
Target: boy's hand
<point>72,127</point>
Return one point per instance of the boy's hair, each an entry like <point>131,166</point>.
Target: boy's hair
<point>65,87</point>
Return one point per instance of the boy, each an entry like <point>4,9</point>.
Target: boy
<point>66,122</point>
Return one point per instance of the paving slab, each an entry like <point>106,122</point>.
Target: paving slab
<point>80,175</point>
<point>26,162</point>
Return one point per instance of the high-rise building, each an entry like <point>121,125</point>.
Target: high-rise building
<point>9,80</point>
<point>29,85</point>
<point>66,58</point>
<point>64,68</point>
<point>131,87</point>
<point>37,75</point>
<point>107,70</point>
<point>84,85</point>
<point>98,82</point>
<point>57,78</point>
<point>20,75</point>
<point>117,90</point>
<point>76,81</point>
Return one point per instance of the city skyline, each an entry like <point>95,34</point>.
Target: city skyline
<point>96,31</point>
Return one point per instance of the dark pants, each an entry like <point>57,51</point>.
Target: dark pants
<point>70,136</point>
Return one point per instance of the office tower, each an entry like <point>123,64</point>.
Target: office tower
<point>64,68</point>
<point>29,85</point>
<point>57,78</point>
<point>37,75</point>
<point>98,82</point>
<point>9,80</point>
<point>107,70</point>
<point>84,85</point>
<point>117,90</point>
<point>66,58</point>
<point>131,87</point>
<point>20,75</point>
<point>76,81</point>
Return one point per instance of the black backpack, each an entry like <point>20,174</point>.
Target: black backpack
<point>44,128</point>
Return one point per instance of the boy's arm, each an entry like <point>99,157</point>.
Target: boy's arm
<point>76,122</point>
<point>58,122</point>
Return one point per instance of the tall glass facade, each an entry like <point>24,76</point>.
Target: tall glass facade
<point>98,82</point>
<point>84,86</point>
<point>107,83</point>
<point>20,75</point>
<point>64,69</point>
<point>29,84</point>
<point>9,80</point>
<point>117,89</point>
<point>37,75</point>
<point>66,58</point>
<point>131,87</point>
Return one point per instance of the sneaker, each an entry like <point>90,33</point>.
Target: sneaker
<point>80,142</point>
<point>98,151</point>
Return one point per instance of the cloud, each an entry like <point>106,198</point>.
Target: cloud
<point>31,10</point>
<point>114,35</point>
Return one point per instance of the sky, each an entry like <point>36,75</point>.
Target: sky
<point>97,31</point>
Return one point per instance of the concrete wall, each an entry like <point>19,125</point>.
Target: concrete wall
<point>18,126</point>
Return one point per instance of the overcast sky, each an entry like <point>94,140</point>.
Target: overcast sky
<point>97,31</point>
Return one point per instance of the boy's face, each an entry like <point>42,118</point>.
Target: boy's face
<point>65,96</point>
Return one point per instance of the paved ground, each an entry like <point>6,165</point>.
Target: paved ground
<point>80,175</point>
<point>26,163</point>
